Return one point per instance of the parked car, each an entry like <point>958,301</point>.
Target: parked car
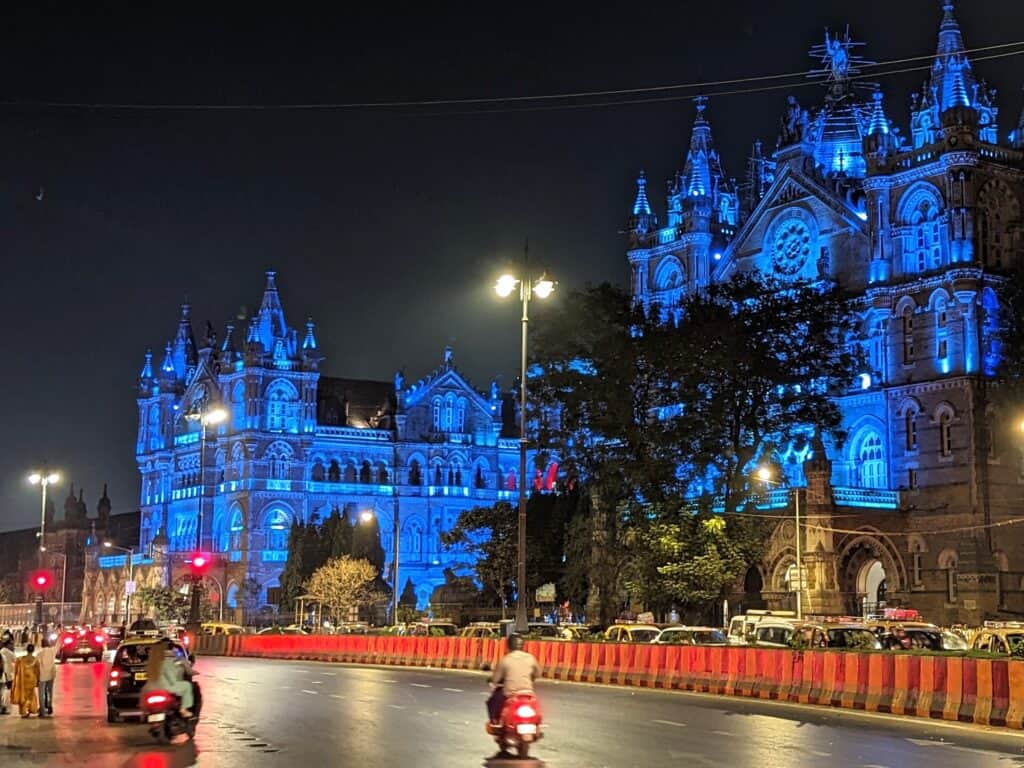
<point>430,628</point>
<point>220,628</point>
<point>682,635</point>
<point>1001,637</point>
<point>915,635</point>
<point>741,627</point>
<point>631,633</point>
<point>291,629</point>
<point>481,629</point>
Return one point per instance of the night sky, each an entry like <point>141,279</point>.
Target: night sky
<point>388,225</point>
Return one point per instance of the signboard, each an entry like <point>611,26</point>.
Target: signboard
<point>645,618</point>
<point>546,593</point>
<point>129,587</point>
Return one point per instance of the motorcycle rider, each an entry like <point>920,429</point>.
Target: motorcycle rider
<point>514,674</point>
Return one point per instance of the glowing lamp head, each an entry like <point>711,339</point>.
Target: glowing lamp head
<point>107,544</point>
<point>366,516</point>
<point>764,474</point>
<point>35,478</point>
<point>505,285</point>
<point>544,287</point>
<point>216,416</point>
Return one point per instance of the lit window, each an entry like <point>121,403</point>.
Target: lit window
<point>872,461</point>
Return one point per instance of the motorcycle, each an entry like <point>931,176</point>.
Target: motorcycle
<point>160,710</point>
<point>519,726</point>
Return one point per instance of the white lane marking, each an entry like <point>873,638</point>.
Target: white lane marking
<point>453,690</point>
<point>816,753</point>
<point>396,706</point>
<point>336,696</point>
<point>669,722</point>
<point>929,743</point>
<point>314,693</point>
<point>331,674</point>
<point>390,681</point>
<point>286,687</point>
<point>873,765</point>
<point>316,682</point>
<point>723,733</point>
<point>419,685</point>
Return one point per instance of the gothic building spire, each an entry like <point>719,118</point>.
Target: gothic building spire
<point>703,170</point>
<point>185,356</point>
<point>696,194</point>
<point>309,342</point>
<point>879,123</point>
<point>167,366</point>
<point>227,347</point>
<point>759,178</point>
<point>270,318</point>
<point>146,373</point>
<point>643,218</point>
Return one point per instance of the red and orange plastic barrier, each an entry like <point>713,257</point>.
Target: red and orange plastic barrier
<point>982,691</point>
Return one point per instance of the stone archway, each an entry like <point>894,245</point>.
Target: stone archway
<point>870,571</point>
<point>753,586</point>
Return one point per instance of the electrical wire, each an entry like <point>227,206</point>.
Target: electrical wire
<point>699,86</point>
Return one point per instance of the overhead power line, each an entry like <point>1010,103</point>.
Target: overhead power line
<point>699,87</point>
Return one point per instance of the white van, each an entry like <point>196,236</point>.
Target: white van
<point>741,628</point>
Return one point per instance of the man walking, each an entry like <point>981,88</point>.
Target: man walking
<point>7,661</point>
<point>47,672</point>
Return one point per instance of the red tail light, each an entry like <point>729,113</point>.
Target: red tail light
<point>156,698</point>
<point>526,712</point>
<point>81,633</point>
<point>68,640</point>
<point>114,674</point>
<point>99,639</point>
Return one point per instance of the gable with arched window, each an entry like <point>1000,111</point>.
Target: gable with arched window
<point>282,407</point>
<point>278,457</point>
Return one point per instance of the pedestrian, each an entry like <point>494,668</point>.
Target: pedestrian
<point>25,693</point>
<point>47,672</point>
<point>7,662</point>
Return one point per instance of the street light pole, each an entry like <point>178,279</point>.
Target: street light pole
<point>396,533</point>
<point>543,288</point>
<point>764,474</point>
<point>205,417</point>
<point>43,479</point>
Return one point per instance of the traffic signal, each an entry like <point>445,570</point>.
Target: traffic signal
<point>200,565</point>
<point>41,581</point>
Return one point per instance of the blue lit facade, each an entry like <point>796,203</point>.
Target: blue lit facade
<point>923,229</point>
<point>298,444</point>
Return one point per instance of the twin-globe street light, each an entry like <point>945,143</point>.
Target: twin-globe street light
<point>542,288</point>
<point>765,475</point>
<point>43,479</point>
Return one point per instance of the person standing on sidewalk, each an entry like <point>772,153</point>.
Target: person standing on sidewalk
<point>7,661</point>
<point>26,683</point>
<point>47,672</point>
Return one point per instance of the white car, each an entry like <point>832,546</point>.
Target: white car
<point>682,635</point>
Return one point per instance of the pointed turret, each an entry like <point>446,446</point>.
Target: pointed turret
<point>878,123</point>
<point>227,348</point>
<point>103,507</point>
<point>146,377</point>
<point>270,317</point>
<point>185,357</point>
<point>703,170</point>
<point>642,219</point>
<point>696,195</point>
<point>167,366</point>
<point>309,342</point>
<point>952,85</point>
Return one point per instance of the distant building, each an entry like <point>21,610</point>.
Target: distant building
<point>923,227</point>
<point>297,445</point>
<point>74,535</point>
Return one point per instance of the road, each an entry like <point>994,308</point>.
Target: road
<point>305,714</point>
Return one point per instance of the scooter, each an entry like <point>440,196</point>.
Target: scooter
<point>519,726</point>
<point>161,712</point>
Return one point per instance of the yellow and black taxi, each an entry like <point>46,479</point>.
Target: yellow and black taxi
<point>1002,637</point>
<point>128,673</point>
<point>631,633</point>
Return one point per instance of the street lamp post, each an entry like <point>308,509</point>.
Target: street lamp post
<point>131,572</point>
<point>542,287</point>
<point>205,417</point>
<point>765,475</point>
<point>43,479</point>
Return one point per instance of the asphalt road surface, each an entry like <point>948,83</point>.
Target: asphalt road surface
<point>305,714</point>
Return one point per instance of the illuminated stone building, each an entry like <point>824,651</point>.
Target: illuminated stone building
<point>298,444</point>
<point>922,226</point>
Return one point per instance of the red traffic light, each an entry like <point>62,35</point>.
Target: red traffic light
<point>200,564</point>
<point>41,580</point>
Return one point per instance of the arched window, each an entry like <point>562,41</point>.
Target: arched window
<point>282,407</point>
<point>907,326</point>
<point>350,472</point>
<point>919,214</point>
<point>910,428</point>
<point>279,460</point>
<point>949,562</point>
<point>945,419</point>
<point>414,541</point>
<point>318,471</point>
<point>460,415</point>
<point>156,438</point>
<point>415,473</point>
<point>917,549</point>
<point>365,472</point>
<point>436,414</point>
<point>334,472</point>
<point>870,459</point>
<point>231,598</point>
<point>277,524</point>
<point>448,415</point>
<point>238,404</point>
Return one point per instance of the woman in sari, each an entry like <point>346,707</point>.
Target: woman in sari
<point>25,692</point>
